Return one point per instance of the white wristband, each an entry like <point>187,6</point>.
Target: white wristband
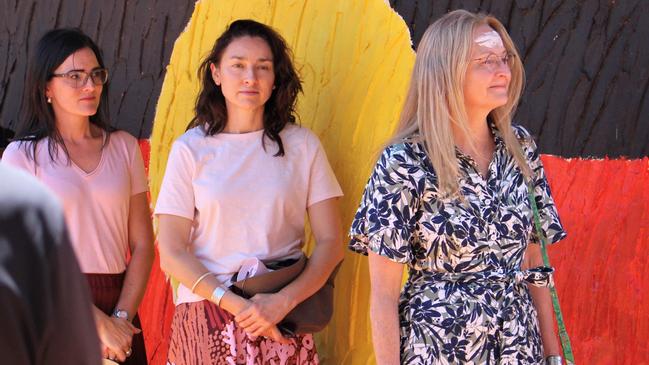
<point>218,294</point>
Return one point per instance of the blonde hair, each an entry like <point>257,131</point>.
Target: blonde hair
<point>435,99</point>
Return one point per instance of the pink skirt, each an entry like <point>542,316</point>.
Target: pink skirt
<point>202,334</point>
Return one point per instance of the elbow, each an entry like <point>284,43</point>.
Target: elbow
<point>383,307</point>
<point>143,253</point>
<point>339,253</point>
<point>166,259</point>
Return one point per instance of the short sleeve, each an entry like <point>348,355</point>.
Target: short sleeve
<point>16,156</point>
<point>548,215</point>
<point>322,180</point>
<point>139,183</point>
<point>388,213</point>
<point>176,195</point>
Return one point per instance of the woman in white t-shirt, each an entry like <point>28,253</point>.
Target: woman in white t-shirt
<point>238,186</point>
<point>98,174</point>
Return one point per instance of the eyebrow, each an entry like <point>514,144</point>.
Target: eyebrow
<point>259,59</point>
<point>83,70</point>
<point>487,54</point>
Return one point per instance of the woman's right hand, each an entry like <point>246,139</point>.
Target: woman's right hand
<point>116,335</point>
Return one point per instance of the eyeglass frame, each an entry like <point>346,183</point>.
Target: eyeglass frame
<point>88,75</point>
<point>502,60</point>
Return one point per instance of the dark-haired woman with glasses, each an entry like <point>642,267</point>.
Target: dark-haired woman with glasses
<point>98,173</point>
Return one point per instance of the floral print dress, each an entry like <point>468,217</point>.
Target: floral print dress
<point>466,300</point>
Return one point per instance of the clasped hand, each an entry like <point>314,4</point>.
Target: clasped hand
<point>264,312</point>
<point>116,335</point>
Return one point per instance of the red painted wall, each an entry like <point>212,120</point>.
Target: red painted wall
<point>603,265</point>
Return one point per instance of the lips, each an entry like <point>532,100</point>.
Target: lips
<point>88,98</point>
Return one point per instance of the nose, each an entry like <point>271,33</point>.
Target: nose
<point>503,69</point>
<point>88,84</point>
<point>250,76</point>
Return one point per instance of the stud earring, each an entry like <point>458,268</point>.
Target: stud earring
<point>49,100</point>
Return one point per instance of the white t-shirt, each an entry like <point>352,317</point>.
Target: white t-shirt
<point>243,201</point>
<point>96,204</point>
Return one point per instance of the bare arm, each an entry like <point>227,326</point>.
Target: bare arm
<point>270,309</point>
<point>543,303</point>
<point>115,333</point>
<point>178,262</point>
<point>140,236</point>
<point>385,277</point>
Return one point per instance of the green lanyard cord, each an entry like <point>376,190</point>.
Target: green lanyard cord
<point>563,333</point>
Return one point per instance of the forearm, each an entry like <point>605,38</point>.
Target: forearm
<point>385,331</point>
<point>321,264</point>
<point>186,268</point>
<point>135,281</point>
<point>543,304</point>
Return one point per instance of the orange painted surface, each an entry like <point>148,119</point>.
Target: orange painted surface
<point>156,311</point>
<point>603,264</point>
<point>601,267</point>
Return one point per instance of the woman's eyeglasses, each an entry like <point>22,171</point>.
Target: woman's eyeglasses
<point>492,62</point>
<point>78,79</point>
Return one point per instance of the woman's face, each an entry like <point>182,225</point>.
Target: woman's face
<point>487,78</point>
<point>70,96</point>
<point>245,73</point>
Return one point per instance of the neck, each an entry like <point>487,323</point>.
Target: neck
<point>478,133</point>
<point>244,121</point>
<point>75,128</point>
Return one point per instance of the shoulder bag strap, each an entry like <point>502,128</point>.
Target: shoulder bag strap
<point>563,333</point>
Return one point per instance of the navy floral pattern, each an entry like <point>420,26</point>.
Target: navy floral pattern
<point>466,300</point>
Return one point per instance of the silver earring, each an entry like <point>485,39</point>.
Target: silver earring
<point>273,87</point>
<point>49,100</point>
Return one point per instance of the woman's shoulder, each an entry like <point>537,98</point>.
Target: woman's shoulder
<point>19,148</point>
<point>524,137</point>
<point>407,149</point>
<point>521,132</point>
<point>300,140</point>
<point>122,137</point>
<point>298,133</point>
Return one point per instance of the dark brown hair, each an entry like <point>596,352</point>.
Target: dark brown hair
<point>279,110</point>
<point>38,119</point>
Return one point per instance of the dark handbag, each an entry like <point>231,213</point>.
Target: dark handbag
<point>310,316</point>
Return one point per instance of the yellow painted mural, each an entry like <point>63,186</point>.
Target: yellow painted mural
<point>355,59</point>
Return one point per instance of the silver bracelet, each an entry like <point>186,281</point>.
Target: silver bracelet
<point>199,280</point>
<point>553,360</point>
<point>218,294</point>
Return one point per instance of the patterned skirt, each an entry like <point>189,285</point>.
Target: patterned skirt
<point>204,334</point>
<point>105,289</point>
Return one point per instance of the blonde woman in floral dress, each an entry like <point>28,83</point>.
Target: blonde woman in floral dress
<point>448,198</point>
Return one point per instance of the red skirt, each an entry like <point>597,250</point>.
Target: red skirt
<point>105,289</point>
<point>204,334</point>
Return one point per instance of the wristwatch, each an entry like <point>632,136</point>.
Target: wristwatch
<point>120,313</point>
<point>553,360</point>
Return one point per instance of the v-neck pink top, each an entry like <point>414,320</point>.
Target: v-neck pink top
<point>96,203</point>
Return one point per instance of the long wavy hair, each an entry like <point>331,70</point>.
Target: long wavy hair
<point>435,100</point>
<point>38,119</point>
<point>279,110</point>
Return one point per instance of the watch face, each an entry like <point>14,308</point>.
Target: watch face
<point>121,314</point>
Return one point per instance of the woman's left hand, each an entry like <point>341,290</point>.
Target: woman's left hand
<point>265,311</point>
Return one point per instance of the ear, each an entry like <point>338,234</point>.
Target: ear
<point>48,93</point>
<point>216,74</point>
